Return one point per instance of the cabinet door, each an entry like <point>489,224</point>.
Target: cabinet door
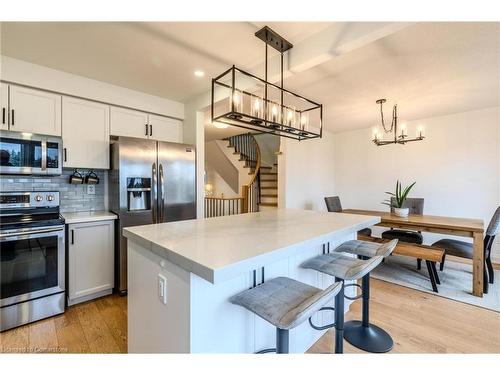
<point>128,123</point>
<point>34,111</point>
<point>4,106</point>
<point>90,258</point>
<point>85,134</point>
<point>165,129</point>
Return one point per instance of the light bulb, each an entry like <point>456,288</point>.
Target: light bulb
<point>404,130</point>
<point>289,117</point>
<point>420,131</point>
<point>304,121</point>
<point>256,107</point>
<point>274,113</point>
<point>375,134</point>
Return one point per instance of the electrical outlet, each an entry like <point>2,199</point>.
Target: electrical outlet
<point>162,288</point>
<point>91,189</point>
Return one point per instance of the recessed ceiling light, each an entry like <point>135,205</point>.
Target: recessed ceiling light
<point>199,73</point>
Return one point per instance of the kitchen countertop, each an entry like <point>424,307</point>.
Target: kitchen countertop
<point>218,248</point>
<point>87,216</point>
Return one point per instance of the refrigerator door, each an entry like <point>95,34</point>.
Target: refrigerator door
<point>176,182</point>
<point>132,193</point>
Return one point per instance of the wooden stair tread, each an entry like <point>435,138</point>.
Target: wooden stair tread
<point>268,187</point>
<point>431,253</point>
<point>269,195</point>
<point>269,173</point>
<point>268,204</point>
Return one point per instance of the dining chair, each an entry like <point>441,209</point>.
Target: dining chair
<point>416,207</point>
<point>333,205</point>
<point>466,250</point>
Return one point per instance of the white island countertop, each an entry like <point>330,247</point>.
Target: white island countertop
<point>219,248</point>
<point>87,216</point>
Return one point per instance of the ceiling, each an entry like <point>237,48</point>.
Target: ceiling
<point>158,58</point>
<point>429,69</point>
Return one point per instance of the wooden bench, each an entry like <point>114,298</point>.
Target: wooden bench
<point>430,254</point>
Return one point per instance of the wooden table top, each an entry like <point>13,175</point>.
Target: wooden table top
<point>429,221</point>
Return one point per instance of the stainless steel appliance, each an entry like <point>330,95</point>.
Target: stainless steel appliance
<point>32,257</point>
<point>26,153</point>
<point>149,182</point>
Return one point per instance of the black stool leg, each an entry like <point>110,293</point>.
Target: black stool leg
<point>339,320</point>
<point>419,264</point>
<point>362,334</point>
<point>282,341</point>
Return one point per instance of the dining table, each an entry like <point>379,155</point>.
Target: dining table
<point>455,226</point>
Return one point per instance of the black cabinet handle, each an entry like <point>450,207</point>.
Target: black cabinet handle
<point>146,129</point>
<point>12,122</point>
<point>3,115</point>
<point>150,130</point>
<point>72,236</point>
<point>65,154</point>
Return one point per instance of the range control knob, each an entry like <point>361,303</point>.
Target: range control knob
<point>50,197</point>
<point>38,198</point>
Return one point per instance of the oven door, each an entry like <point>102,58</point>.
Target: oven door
<point>32,264</point>
<point>26,153</point>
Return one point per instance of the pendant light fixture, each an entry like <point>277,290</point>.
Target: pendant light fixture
<point>400,136</point>
<point>247,101</point>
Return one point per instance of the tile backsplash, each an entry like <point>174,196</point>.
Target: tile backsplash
<point>73,197</point>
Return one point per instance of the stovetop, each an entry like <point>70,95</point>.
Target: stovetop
<point>30,220</point>
<point>29,209</point>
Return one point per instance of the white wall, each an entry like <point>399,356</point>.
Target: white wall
<point>25,73</point>
<point>457,167</point>
<point>306,172</point>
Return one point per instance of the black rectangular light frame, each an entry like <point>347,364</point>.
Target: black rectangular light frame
<point>246,121</point>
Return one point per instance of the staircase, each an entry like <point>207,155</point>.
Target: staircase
<point>269,186</point>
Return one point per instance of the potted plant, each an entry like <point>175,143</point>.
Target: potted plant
<point>398,198</point>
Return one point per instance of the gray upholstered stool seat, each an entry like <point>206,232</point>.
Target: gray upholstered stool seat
<point>342,266</point>
<point>367,249</point>
<point>284,302</point>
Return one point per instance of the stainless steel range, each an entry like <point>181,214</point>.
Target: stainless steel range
<point>32,253</point>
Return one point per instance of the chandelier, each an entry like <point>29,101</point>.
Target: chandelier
<point>399,138</point>
<point>247,101</point>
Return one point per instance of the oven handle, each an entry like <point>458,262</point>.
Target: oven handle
<point>29,232</point>
<point>44,154</point>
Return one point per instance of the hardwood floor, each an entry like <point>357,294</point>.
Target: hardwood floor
<point>99,326</point>
<point>418,322</point>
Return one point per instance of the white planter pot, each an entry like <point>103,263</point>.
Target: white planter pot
<point>401,212</point>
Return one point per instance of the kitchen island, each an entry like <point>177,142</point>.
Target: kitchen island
<point>181,275</point>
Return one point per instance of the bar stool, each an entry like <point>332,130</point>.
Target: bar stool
<point>342,267</point>
<point>362,334</point>
<point>285,303</point>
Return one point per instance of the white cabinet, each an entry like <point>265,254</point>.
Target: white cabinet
<point>90,260</point>
<point>165,129</point>
<point>85,134</point>
<point>137,124</point>
<point>129,123</point>
<point>4,106</point>
<point>34,111</point>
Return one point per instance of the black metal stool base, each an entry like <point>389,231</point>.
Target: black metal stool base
<point>371,339</point>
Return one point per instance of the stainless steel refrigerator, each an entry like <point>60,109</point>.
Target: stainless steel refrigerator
<point>149,182</point>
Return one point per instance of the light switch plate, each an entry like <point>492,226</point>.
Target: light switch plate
<point>91,189</point>
<point>162,288</point>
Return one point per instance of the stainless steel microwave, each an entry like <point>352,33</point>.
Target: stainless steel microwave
<point>30,154</point>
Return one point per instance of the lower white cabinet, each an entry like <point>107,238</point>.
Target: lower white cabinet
<point>90,260</point>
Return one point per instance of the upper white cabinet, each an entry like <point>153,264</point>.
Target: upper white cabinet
<point>4,106</point>
<point>128,123</point>
<point>85,134</point>
<point>165,129</point>
<point>34,111</point>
